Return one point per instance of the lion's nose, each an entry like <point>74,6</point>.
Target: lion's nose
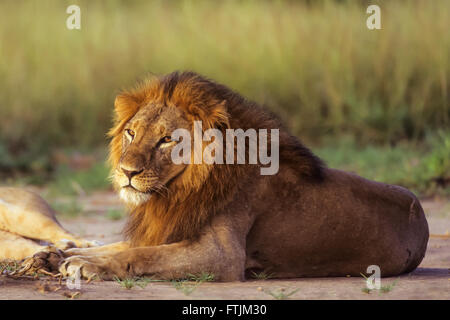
<point>130,173</point>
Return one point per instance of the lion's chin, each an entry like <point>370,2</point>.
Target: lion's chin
<point>134,197</point>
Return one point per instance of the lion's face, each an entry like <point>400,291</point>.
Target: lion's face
<point>145,164</point>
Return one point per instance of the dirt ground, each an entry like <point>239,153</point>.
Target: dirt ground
<point>430,281</point>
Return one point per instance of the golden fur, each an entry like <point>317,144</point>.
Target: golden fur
<point>24,216</point>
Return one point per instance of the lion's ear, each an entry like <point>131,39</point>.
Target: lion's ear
<point>213,115</point>
<point>125,107</point>
<point>220,115</point>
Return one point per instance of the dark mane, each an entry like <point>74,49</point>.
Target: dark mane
<point>250,115</point>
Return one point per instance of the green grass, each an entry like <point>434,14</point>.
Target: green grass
<point>190,283</point>
<point>201,277</point>
<point>281,294</point>
<point>129,283</point>
<point>422,167</point>
<point>262,275</point>
<point>316,65</point>
<point>185,287</point>
<point>9,266</point>
<point>68,207</point>
<point>388,288</point>
<point>65,178</point>
<point>366,290</point>
<point>79,182</point>
<point>114,214</point>
<point>383,289</point>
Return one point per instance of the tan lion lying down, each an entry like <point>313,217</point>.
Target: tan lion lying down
<point>25,218</point>
<point>305,221</point>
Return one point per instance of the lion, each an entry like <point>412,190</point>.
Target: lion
<point>307,220</point>
<point>28,224</point>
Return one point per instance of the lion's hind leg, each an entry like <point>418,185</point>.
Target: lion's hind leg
<point>14,247</point>
<point>26,214</point>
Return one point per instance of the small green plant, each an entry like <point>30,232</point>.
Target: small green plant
<point>129,283</point>
<point>114,214</point>
<point>366,290</point>
<point>201,277</point>
<point>184,286</point>
<point>281,294</point>
<point>143,282</point>
<point>126,283</point>
<point>383,289</point>
<point>387,288</point>
<point>262,275</point>
<point>72,295</point>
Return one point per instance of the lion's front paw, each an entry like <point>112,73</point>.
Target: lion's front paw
<point>49,259</point>
<point>89,268</point>
<point>46,261</point>
<point>77,267</point>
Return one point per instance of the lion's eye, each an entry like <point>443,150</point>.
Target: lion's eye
<point>166,139</point>
<point>130,132</point>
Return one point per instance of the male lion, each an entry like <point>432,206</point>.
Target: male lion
<point>228,219</point>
